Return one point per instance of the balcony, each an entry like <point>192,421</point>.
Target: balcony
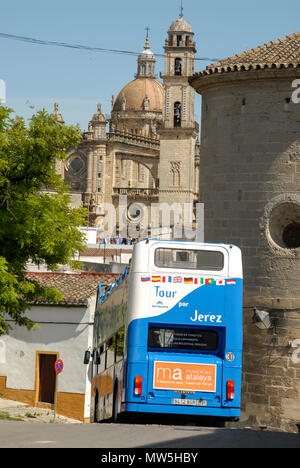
<point>133,139</point>
<point>137,193</point>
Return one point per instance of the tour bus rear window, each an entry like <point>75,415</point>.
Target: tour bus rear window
<point>183,338</point>
<point>186,259</point>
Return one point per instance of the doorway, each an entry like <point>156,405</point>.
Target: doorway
<point>46,377</point>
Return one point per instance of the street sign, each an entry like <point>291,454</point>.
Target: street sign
<point>58,366</point>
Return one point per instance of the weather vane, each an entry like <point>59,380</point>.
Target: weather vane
<point>181,10</point>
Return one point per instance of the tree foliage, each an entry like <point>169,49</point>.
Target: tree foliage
<point>36,221</point>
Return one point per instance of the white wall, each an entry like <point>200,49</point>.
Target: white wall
<point>90,234</point>
<point>65,330</point>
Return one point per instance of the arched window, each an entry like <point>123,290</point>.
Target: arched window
<point>178,66</point>
<point>144,69</point>
<point>179,41</point>
<point>175,172</point>
<point>177,114</point>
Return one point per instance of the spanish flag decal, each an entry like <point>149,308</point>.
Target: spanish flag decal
<point>155,279</point>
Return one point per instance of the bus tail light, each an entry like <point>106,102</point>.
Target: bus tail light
<point>230,389</point>
<point>138,382</point>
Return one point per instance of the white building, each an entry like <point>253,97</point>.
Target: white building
<point>64,332</point>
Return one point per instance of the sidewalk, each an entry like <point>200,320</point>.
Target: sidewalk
<point>10,409</point>
<point>8,404</point>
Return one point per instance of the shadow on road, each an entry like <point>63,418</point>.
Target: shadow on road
<point>236,438</point>
<point>218,433</point>
<point>171,420</point>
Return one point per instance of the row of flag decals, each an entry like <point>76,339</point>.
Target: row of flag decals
<point>187,280</point>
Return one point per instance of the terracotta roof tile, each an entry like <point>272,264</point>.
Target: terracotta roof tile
<point>282,53</point>
<point>77,287</point>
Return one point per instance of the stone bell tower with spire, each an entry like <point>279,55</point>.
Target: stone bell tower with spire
<point>178,134</point>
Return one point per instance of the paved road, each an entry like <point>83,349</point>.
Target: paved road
<point>14,434</point>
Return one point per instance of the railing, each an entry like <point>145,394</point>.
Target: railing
<point>132,138</point>
<point>136,192</point>
<point>127,137</point>
<point>182,44</point>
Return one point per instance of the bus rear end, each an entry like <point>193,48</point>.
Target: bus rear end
<point>184,343</point>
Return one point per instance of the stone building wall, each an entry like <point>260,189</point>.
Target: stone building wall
<point>271,371</point>
<point>177,166</point>
<point>249,183</point>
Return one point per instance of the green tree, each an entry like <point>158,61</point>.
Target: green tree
<point>35,224</point>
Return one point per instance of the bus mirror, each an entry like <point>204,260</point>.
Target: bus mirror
<point>97,359</point>
<point>87,356</point>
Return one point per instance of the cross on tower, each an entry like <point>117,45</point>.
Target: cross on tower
<point>181,10</point>
<point>147,29</point>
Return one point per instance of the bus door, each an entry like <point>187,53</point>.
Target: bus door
<point>184,378</point>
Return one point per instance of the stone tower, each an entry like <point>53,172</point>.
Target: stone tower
<point>250,186</point>
<point>177,135</point>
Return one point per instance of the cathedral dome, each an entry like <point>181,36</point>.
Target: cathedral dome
<point>140,94</point>
<point>180,25</point>
<point>144,93</point>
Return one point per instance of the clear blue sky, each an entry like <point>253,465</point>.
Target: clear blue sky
<point>38,75</point>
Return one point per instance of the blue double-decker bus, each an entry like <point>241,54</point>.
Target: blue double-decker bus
<point>168,337</point>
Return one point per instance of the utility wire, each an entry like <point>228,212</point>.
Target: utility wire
<point>32,40</point>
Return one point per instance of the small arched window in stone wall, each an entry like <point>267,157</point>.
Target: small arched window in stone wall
<point>178,66</point>
<point>177,114</point>
<point>282,220</point>
<point>175,167</point>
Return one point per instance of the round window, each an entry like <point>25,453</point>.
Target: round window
<point>76,165</point>
<point>284,225</point>
<point>291,236</point>
<point>135,212</point>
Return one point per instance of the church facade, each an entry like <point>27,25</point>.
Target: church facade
<point>148,151</point>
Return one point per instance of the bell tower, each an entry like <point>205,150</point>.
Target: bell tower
<point>178,134</point>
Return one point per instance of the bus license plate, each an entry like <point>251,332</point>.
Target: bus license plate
<point>189,402</point>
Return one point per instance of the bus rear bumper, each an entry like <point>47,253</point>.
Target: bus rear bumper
<point>177,409</point>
